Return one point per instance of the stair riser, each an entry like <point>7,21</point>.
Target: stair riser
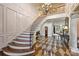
<point>22,42</point>
<point>15,47</point>
<point>26,34</point>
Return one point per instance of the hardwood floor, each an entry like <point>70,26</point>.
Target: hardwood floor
<point>58,48</point>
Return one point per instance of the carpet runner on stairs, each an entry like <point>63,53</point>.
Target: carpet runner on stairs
<point>22,45</point>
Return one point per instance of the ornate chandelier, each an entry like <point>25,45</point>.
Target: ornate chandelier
<point>51,8</point>
<point>45,8</point>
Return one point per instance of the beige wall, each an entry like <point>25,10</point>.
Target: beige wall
<point>14,19</point>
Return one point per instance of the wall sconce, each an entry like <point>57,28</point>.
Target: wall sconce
<point>65,29</point>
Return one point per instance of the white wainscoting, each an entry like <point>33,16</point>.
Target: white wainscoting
<point>1,41</point>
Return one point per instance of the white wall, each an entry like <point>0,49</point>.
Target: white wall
<point>14,19</point>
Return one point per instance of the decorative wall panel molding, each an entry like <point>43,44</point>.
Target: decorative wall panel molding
<point>11,21</point>
<point>1,20</point>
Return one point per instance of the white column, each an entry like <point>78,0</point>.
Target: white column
<point>73,35</point>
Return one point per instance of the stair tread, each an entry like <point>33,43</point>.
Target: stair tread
<point>11,50</point>
<point>19,45</point>
<point>23,37</point>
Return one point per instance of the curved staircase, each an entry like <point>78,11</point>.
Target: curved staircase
<point>22,45</point>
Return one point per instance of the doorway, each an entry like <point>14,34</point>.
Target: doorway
<point>46,32</point>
